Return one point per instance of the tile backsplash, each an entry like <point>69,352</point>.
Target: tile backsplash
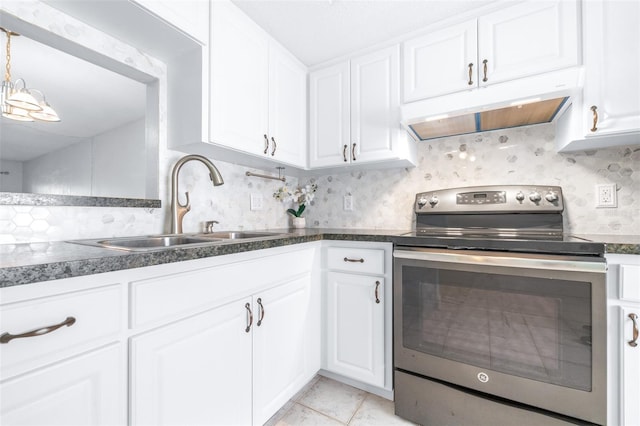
<point>382,199</point>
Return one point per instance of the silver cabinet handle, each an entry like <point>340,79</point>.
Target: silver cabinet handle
<point>377,295</point>
<point>273,151</point>
<point>594,109</point>
<point>344,152</point>
<point>634,342</point>
<point>266,144</point>
<point>353,152</point>
<point>470,73</point>
<point>250,317</point>
<point>346,259</point>
<point>7,337</point>
<point>485,70</point>
<point>260,312</point>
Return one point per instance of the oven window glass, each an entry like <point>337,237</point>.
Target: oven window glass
<point>530,327</point>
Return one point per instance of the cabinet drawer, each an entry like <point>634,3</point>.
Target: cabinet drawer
<point>367,261</point>
<point>98,315</point>
<point>630,282</point>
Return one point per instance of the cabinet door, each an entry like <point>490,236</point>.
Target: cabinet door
<point>527,39</point>
<point>630,368</point>
<point>329,116</point>
<point>287,108</point>
<point>355,327</point>
<point>196,371</point>
<point>88,389</point>
<point>284,357</point>
<point>612,62</point>
<point>239,80</point>
<point>441,62</point>
<point>375,105</point>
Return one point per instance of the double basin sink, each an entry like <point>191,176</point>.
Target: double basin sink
<point>155,242</point>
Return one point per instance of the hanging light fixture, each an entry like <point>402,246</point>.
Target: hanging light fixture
<point>17,100</point>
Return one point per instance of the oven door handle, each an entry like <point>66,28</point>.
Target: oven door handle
<point>508,260</point>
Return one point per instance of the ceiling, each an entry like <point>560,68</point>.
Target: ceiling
<point>316,31</point>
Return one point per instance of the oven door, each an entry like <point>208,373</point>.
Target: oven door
<point>525,327</point>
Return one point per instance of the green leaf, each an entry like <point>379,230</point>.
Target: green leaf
<point>292,212</point>
<point>300,210</point>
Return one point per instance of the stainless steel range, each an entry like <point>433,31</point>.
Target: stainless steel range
<point>499,316</point>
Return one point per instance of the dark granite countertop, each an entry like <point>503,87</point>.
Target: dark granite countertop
<point>34,262</point>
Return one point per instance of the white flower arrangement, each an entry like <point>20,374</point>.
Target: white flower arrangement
<point>301,196</point>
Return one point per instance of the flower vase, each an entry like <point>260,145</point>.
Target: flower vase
<point>298,222</point>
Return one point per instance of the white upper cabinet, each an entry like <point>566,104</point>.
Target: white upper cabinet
<point>522,40</point>
<point>287,107</point>
<point>375,105</point>
<point>354,112</point>
<point>329,115</point>
<point>609,113</point>
<point>189,16</point>
<point>239,114</point>
<point>258,90</point>
<point>441,62</point>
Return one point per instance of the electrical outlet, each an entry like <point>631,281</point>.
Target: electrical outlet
<point>348,203</point>
<point>606,195</point>
<point>256,202</point>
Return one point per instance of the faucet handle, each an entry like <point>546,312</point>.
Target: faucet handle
<point>208,226</point>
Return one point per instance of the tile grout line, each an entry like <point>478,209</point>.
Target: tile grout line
<point>358,409</point>
<point>324,414</point>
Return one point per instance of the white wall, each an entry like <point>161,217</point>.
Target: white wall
<point>66,171</point>
<point>10,176</point>
<point>119,164</point>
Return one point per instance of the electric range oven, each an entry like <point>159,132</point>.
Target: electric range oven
<point>499,317</point>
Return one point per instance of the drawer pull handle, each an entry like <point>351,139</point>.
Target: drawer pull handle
<point>353,152</point>
<point>7,337</point>
<point>344,152</point>
<point>260,313</point>
<point>485,70</point>
<point>594,109</point>
<point>377,295</point>
<point>634,342</point>
<point>266,144</point>
<point>470,73</point>
<point>275,146</point>
<point>346,259</point>
<point>250,319</point>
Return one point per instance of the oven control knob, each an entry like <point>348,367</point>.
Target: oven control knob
<point>433,201</point>
<point>535,197</point>
<point>422,201</point>
<point>551,197</point>
<point>519,196</point>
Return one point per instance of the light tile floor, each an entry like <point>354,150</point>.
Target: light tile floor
<point>328,402</point>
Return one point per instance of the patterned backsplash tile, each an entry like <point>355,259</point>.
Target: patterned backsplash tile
<point>382,199</point>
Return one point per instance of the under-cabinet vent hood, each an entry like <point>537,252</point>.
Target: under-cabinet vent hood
<point>524,102</point>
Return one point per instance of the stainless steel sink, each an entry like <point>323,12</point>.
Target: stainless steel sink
<point>240,235</point>
<point>153,242</point>
<point>157,242</point>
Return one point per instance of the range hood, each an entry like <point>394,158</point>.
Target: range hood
<point>524,102</point>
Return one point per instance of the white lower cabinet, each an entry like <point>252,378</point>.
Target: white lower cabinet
<point>196,371</point>
<point>357,314</point>
<point>247,344</point>
<point>355,326</point>
<point>63,358</point>
<point>623,285</point>
<point>88,389</point>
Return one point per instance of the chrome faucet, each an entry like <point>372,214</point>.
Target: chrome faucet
<point>179,210</point>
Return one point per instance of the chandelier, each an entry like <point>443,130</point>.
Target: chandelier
<point>17,100</point>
